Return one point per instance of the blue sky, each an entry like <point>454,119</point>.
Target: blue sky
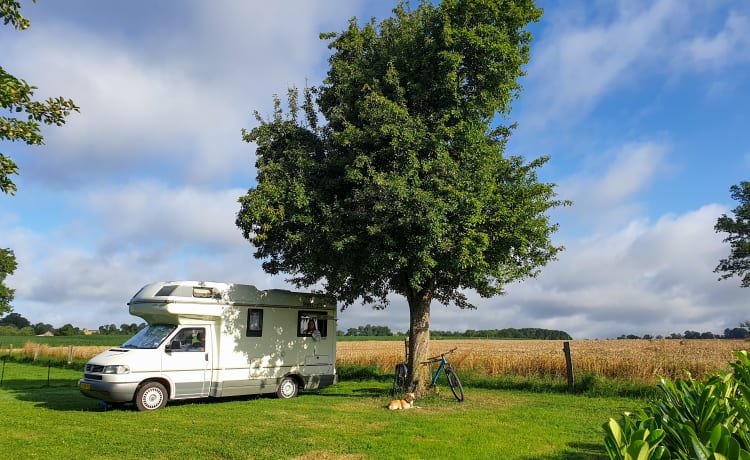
<point>642,106</point>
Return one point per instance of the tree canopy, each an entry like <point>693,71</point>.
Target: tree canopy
<point>404,188</point>
<point>738,228</point>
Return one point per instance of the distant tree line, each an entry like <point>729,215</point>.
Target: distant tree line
<point>525,333</point>
<point>742,332</point>
<point>367,331</point>
<point>15,324</point>
<point>508,333</point>
<point>128,329</point>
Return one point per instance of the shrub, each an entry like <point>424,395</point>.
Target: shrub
<point>690,420</point>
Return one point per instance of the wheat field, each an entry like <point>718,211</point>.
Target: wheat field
<point>637,360</point>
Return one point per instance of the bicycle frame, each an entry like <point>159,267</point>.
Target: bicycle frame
<point>440,368</point>
<point>444,367</point>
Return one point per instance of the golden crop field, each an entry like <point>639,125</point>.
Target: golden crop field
<point>638,360</point>
<point>641,360</point>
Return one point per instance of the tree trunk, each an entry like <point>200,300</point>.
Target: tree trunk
<point>419,340</point>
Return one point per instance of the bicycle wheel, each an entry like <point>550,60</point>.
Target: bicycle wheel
<point>399,380</point>
<point>456,388</point>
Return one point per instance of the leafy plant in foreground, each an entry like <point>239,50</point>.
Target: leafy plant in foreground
<point>691,420</point>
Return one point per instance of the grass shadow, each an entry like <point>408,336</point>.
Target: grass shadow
<point>59,395</point>
<point>577,451</point>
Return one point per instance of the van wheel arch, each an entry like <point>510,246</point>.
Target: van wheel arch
<point>289,386</point>
<point>151,395</point>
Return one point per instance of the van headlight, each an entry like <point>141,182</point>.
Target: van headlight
<point>118,369</point>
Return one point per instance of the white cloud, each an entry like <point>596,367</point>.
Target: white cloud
<point>151,214</point>
<point>605,191</point>
<point>576,64</point>
<point>727,46</point>
<point>591,50</point>
<point>643,279</point>
<point>176,106</point>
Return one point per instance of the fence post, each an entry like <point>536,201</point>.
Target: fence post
<point>70,354</point>
<point>2,376</point>
<point>569,366</point>
<point>36,351</point>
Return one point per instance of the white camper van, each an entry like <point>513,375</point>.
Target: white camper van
<point>216,339</point>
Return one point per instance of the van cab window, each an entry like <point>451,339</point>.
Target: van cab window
<point>150,337</point>
<point>189,339</point>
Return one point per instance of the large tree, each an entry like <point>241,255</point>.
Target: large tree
<point>738,228</point>
<point>405,189</point>
<point>16,102</point>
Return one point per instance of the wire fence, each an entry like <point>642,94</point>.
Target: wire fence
<point>21,373</point>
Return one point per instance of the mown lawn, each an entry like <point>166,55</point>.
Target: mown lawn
<point>52,420</point>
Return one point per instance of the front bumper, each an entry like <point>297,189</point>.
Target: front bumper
<point>114,392</point>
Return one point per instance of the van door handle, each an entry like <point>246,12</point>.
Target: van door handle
<point>206,356</point>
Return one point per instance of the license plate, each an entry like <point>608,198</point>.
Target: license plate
<point>85,386</point>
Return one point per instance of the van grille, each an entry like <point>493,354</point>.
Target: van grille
<point>93,368</point>
<point>92,376</point>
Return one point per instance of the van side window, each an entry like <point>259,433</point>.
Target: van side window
<point>312,324</point>
<point>254,322</point>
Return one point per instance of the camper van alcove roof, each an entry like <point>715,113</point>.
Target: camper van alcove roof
<point>206,292</point>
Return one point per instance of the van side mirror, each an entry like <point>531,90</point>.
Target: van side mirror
<point>173,345</point>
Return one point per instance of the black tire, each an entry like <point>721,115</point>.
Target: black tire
<point>151,396</point>
<point>288,388</point>
<point>455,384</point>
<point>399,379</point>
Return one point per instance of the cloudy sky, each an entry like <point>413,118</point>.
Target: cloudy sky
<point>641,104</point>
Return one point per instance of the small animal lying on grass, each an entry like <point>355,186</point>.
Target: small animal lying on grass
<point>403,404</point>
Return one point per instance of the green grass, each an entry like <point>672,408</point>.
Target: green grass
<point>348,420</point>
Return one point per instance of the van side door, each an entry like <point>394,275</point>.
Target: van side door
<point>187,361</point>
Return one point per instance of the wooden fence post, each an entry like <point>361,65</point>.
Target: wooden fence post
<point>70,354</point>
<point>569,366</point>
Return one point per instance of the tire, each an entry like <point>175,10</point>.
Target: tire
<point>399,379</point>
<point>455,384</point>
<point>151,396</point>
<point>288,388</point>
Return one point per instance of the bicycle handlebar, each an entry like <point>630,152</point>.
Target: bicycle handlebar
<point>439,357</point>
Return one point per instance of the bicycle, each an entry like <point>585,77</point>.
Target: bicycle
<point>450,374</point>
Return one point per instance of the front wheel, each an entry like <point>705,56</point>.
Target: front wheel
<point>456,388</point>
<point>399,380</point>
<point>150,396</point>
<point>288,388</point>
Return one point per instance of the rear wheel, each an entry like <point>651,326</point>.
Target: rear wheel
<point>456,388</point>
<point>399,380</point>
<point>288,388</point>
<point>150,396</point>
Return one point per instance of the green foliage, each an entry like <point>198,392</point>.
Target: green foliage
<point>7,267</point>
<point>738,262</point>
<point>407,174</point>
<point>10,14</point>
<point>692,420</point>
<point>15,331</point>
<point>16,96</point>
<point>14,319</point>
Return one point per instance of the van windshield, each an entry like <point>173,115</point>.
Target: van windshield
<point>150,337</point>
